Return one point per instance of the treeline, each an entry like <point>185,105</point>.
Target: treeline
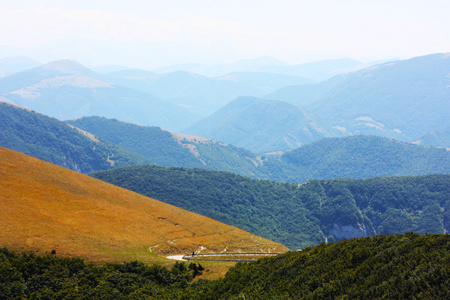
<point>406,266</point>
<point>298,215</point>
<point>27,275</point>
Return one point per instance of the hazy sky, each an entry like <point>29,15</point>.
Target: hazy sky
<point>153,33</point>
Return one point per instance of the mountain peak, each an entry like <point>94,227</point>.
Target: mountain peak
<point>66,66</point>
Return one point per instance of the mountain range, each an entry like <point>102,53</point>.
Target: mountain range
<point>401,99</point>
<point>354,156</point>
<point>11,65</point>
<point>317,70</point>
<point>261,125</point>
<point>67,90</point>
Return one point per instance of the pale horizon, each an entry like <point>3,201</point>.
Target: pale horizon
<point>152,34</point>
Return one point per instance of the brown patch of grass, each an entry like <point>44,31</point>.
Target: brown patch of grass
<point>44,207</point>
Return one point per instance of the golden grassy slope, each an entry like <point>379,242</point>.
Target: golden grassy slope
<point>45,207</point>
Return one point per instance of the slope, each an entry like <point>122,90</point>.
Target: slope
<point>403,99</point>
<point>317,70</point>
<point>392,267</point>
<point>11,65</point>
<point>305,94</point>
<point>260,125</point>
<point>265,82</point>
<point>298,215</point>
<point>435,138</point>
<point>167,148</point>
<point>54,141</point>
<point>45,207</point>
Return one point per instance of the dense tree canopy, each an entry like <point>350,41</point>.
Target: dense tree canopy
<point>298,215</point>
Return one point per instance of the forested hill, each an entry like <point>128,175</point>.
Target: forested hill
<point>383,267</point>
<point>352,157</point>
<point>298,215</point>
<point>393,267</point>
<point>170,149</point>
<point>362,157</point>
<point>54,141</point>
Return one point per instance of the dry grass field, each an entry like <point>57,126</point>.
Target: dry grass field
<point>44,207</point>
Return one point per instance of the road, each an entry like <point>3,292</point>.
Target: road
<point>176,257</point>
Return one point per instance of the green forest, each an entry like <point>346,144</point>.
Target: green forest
<point>51,140</point>
<point>29,276</point>
<point>162,148</point>
<point>363,157</point>
<point>298,215</point>
<point>408,266</point>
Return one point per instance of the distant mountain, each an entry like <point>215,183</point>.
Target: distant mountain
<point>265,82</point>
<point>107,69</point>
<point>199,93</point>
<point>403,99</point>
<point>11,65</point>
<point>133,74</point>
<point>297,215</point>
<point>260,125</point>
<point>305,94</point>
<point>218,70</point>
<point>172,149</point>
<point>54,141</point>
<point>67,90</point>
<point>435,138</point>
<point>362,157</point>
<point>46,207</point>
<point>318,70</point>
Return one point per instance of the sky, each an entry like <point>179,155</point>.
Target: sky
<point>150,34</point>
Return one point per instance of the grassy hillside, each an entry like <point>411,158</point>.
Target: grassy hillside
<point>54,141</point>
<point>171,149</point>
<point>46,207</point>
<point>298,215</point>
